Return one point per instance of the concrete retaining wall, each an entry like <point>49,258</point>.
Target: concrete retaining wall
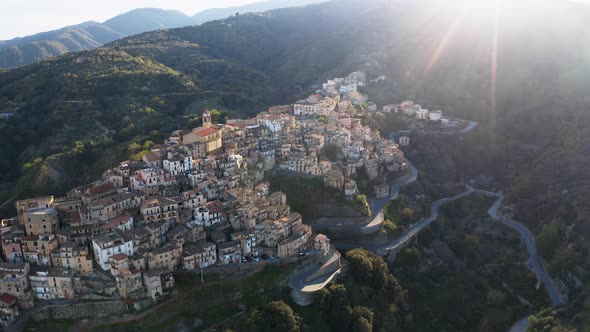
<point>98,309</point>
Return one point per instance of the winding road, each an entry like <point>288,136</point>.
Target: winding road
<point>468,128</point>
<point>376,205</point>
<point>534,263</point>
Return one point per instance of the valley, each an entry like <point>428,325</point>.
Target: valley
<point>441,147</point>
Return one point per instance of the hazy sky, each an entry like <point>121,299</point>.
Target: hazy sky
<point>25,17</point>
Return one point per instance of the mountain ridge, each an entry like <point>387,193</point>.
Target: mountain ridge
<point>91,34</point>
<point>80,112</point>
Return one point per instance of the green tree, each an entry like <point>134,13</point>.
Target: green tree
<point>496,297</point>
<point>548,239</point>
<point>134,147</point>
<point>362,319</point>
<point>407,215</point>
<point>546,321</point>
<point>409,256</point>
<point>275,316</point>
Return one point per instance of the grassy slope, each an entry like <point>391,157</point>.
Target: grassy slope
<point>212,302</point>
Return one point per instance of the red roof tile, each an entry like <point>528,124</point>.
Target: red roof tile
<point>205,132</point>
<point>150,157</point>
<point>101,188</point>
<point>119,256</point>
<point>8,299</point>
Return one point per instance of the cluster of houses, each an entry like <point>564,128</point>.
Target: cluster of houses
<point>324,119</point>
<point>199,200</point>
<point>409,108</point>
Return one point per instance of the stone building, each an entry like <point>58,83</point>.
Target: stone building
<point>321,243</point>
<point>128,282</point>
<point>14,280</point>
<point>8,309</point>
<point>381,190</point>
<point>41,221</point>
<point>158,282</point>
<point>199,255</point>
<point>168,257</point>
<point>52,283</point>
<point>211,136</point>
<point>37,249</point>
<point>72,256</point>
<point>296,243</point>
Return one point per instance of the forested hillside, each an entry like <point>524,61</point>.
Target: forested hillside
<point>89,35</point>
<point>520,70</point>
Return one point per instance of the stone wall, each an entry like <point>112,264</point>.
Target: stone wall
<point>96,309</point>
<point>248,269</point>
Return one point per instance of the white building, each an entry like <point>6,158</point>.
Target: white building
<point>201,216</point>
<point>422,114</point>
<point>304,109</point>
<point>178,165</point>
<point>390,108</point>
<point>404,141</point>
<point>272,124</point>
<point>149,177</point>
<point>435,116</point>
<point>109,245</point>
<point>348,88</point>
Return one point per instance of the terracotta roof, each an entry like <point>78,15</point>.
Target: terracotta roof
<point>150,157</point>
<point>101,188</point>
<point>119,256</point>
<point>205,132</point>
<point>121,218</point>
<point>8,299</point>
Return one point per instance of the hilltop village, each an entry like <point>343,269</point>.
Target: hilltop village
<point>197,201</point>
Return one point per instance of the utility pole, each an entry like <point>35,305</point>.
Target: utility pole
<point>202,280</point>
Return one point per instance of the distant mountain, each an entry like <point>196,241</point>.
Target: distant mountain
<point>522,73</point>
<point>147,19</point>
<point>30,49</point>
<point>26,50</point>
<point>220,13</point>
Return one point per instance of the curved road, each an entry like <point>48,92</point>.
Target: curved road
<point>317,277</point>
<point>535,262</point>
<point>377,204</point>
<point>468,128</point>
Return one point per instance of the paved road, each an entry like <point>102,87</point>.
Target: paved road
<point>520,326</point>
<point>321,274</point>
<point>468,128</point>
<point>401,241</point>
<point>535,262</point>
<point>377,204</point>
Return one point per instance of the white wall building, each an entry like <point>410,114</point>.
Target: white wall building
<point>435,116</point>
<point>178,165</point>
<point>108,245</point>
<point>422,114</point>
<point>348,88</point>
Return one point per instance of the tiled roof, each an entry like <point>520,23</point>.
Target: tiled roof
<point>205,132</point>
<point>101,188</point>
<point>8,299</point>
